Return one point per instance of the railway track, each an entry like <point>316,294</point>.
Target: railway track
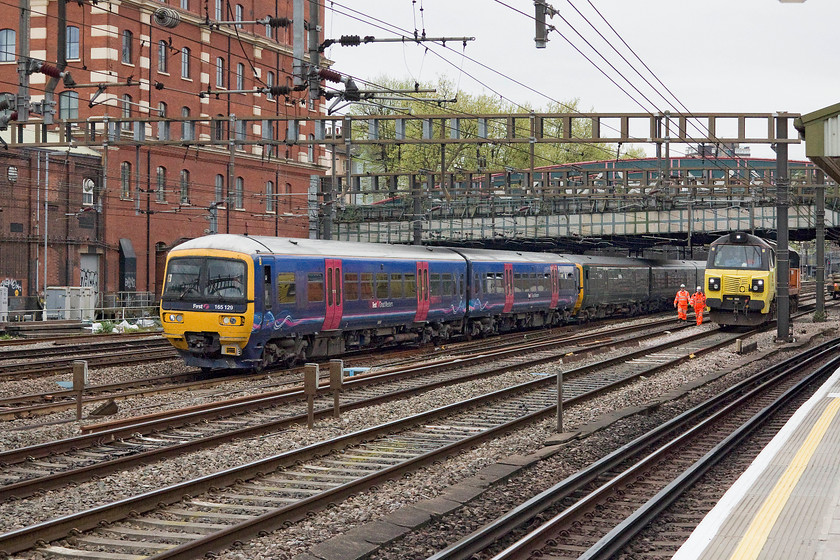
<point>39,404</point>
<point>130,441</point>
<point>598,511</point>
<point>277,489</point>
<point>19,364</point>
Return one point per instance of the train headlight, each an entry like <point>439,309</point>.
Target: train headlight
<point>714,284</point>
<point>173,318</point>
<point>231,320</point>
<point>757,285</point>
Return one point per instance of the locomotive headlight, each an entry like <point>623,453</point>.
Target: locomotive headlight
<point>714,284</point>
<point>174,318</point>
<point>757,285</point>
<point>231,320</point>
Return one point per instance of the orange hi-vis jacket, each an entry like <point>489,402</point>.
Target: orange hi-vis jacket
<point>698,300</point>
<point>682,299</point>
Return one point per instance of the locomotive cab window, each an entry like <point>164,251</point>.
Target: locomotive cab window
<point>739,256</point>
<point>197,278</point>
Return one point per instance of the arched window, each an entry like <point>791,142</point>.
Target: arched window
<point>163,126</point>
<point>68,105</point>
<point>160,190</point>
<point>185,63</point>
<point>219,5</point>
<point>185,186</point>
<point>186,126</point>
<point>125,180</point>
<point>126,111</point>
<point>239,194</point>
<point>185,4</point>
<point>220,72</point>
<point>269,196</point>
<point>238,11</point>
<point>240,76</point>
<point>127,40</point>
<point>218,128</point>
<point>287,197</point>
<point>72,42</point>
<point>88,186</point>
<point>220,188</point>
<point>311,148</point>
<point>163,57</point>
<point>269,82</point>
<point>8,41</point>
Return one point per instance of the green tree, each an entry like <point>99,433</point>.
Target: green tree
<point>411,158</point>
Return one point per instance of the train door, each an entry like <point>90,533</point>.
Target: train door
<point>555,286</point>
<point>268,295</point>
<point>335,300</point>
<point>508,288</point>
<point>422,291</point>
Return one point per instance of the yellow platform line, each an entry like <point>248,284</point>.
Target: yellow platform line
<point>756,535</point>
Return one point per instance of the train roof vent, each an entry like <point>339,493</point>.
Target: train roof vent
<point>738,237</point>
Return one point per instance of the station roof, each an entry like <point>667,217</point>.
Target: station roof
<point>821,131</point>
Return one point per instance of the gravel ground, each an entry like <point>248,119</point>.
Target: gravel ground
<point>424,484</point>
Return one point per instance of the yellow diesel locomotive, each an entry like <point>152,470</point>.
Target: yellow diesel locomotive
<point>740,280</point>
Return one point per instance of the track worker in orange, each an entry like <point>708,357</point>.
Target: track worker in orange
<point>681,303</point>
<point>698,302</point>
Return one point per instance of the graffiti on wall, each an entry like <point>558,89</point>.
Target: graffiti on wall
<point>89,278</point>
<point>14,286</point>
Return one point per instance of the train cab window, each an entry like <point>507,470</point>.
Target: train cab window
<point>225,278</point>
<point>396,285</point>
<point>381,286</point>
<point>286,287</point>
<point>738,256</point>
<point>315,286</point>
<point>410,290</point>
<point>367,286</point>
<point>351,286</point>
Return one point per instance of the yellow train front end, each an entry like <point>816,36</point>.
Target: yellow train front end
<point>740,280</point>
<point>207,306</point>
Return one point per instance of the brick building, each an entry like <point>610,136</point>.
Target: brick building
<point>146,199</point>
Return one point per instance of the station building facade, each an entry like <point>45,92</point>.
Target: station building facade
<point>145,199</point>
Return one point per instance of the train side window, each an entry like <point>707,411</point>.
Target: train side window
<point>447,287</point>
<point>410,286</point>
<point>477,283</point>
<point>499,284</point>
<point>367,286</point>
<point>286,287</point>
<point>381,286</point>
<point>462,286</point>
<point>351,286</point>
<point>434,284</point>
<point>337,275</point>
<point>329,287</point>
<point>396,285</point>
<point>315,286</point>
<point>425,285</point>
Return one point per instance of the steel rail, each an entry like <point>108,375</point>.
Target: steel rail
<point>619,536</point>
<point>55,529</point>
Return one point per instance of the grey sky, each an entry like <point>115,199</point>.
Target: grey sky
<point>715,55</point>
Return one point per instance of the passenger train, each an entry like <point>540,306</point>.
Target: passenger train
<point>237,301</point>
<point>740,280</point>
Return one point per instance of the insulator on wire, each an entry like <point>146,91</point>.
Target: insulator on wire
<point>50,70</point>
<point>279,90</point>
<point>354,40</point>
<point>167,17</point>
<point>330,75</point>
<point>279,22</point>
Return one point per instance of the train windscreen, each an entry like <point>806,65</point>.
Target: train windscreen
<point>748,257</point>
<point>198,278</point>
